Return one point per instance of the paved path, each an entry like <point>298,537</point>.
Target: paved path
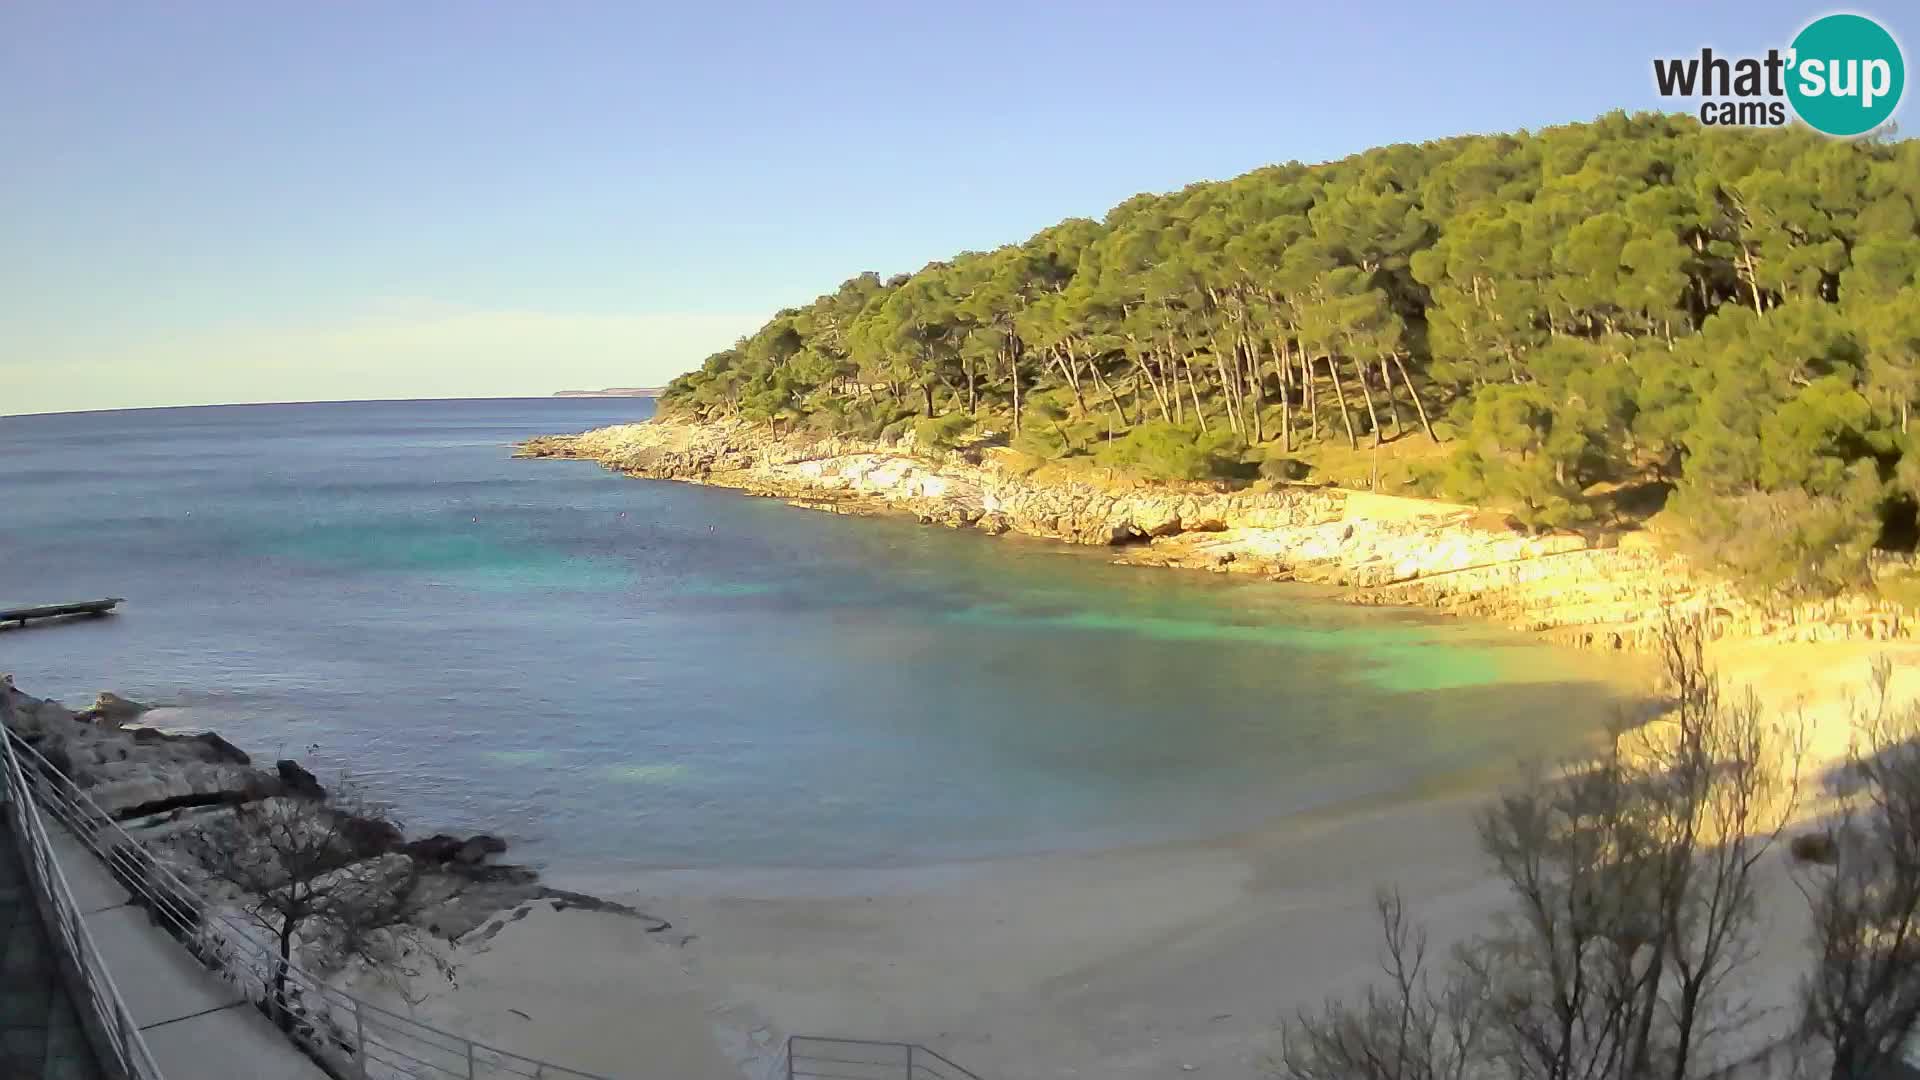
<point>40,1033</point>
<point>197,1025</point>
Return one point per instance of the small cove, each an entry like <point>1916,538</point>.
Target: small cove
<point>630,674</point>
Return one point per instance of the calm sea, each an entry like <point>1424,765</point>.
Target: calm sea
<point>618,673</point>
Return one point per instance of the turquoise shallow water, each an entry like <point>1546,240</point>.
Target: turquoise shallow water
<point>618,673</point>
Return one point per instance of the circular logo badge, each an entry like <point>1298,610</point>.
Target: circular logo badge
<point>1847,74</point>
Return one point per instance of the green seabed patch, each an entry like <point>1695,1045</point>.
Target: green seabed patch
<point>641,773</point>
<point>1398,658</point>
<point>482,560</point>
<point>1414,667</point>
<point>516,757</point>
<point>725,589</point>
<point>645,774</point>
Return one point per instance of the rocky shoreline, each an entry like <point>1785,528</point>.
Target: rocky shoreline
<point>439,894</point>
<point>158,786</point>
<point>1604,590</point>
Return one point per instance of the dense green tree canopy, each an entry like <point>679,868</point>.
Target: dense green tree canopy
<point>1639,301</point>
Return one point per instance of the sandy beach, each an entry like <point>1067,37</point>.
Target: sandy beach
<point>1156,961</point>
<point>1171,960</point>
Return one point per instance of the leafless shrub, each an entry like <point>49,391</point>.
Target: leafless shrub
<point>299,869</point>
<point>1406,1030</point>
<point>1631,874</point>
<point>1863,995</point>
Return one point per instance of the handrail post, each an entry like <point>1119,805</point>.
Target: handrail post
<point>471,1075</point>
<point>789,1057</point>
<point>909,1061</point>
<point>359,1042</point>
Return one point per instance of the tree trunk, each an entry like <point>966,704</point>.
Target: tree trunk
<point>282,1016</point>
<point>1246,370</point>
<point>1071,366</point>
<point>1366,395</point>
<point>1340,394</point>
<point>1286,398</point>
<point>1159,396</point>
<point>1193,387</point>
<point>1079,396</point>
<point>1313,399</point>
<point>1393,403</point>
<point>1415,395</point>
<point>1233,406</point>
<point>1113,399</point>
<point>1013,362</point>
<point>1689,1017</point>
<point>1259,394</point>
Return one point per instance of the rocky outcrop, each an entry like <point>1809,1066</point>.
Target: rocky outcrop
<point>1611,591</point>
<point>111,708</point>
<point>297,780</point>
<point>856,476</point>
<point>163,787</point>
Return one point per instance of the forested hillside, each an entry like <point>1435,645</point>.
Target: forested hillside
<point>1581,318</point>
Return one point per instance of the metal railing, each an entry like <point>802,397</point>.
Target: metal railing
<point>347,1034</point>
<point>812,1057</point>
<point>116,1036</point>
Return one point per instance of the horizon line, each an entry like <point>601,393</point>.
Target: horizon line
<point>555,396</point>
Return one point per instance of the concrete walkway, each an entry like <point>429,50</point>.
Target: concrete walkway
<point>197,1025</point>
<point>40,1032</point>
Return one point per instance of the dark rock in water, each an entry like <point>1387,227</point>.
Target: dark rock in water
<point>298,780</point>
<point>436,850</point>
<point>441,849</point>
<point>371,836</point>
<point>477,848</point>
<point>111,708</point>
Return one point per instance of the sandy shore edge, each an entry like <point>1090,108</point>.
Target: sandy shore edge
<point>1172,959</point>
<point>1176,958</point>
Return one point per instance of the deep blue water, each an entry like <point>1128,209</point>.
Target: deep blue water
<point>620,673</point>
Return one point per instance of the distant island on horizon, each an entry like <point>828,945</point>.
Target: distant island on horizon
<point>614,391</point>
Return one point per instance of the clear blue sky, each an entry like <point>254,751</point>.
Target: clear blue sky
<point>269,201</point>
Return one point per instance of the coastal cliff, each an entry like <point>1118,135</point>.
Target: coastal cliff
<point>1607,590</point>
